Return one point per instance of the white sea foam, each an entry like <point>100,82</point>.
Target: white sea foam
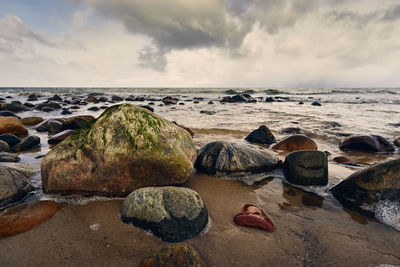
<point>75,199</point>
<point>387,212</point>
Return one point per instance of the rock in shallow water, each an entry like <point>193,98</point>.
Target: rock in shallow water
<point>262,135</point>
<point>180,254</point>
<point>171,213</point>
<point>4,146</point>
<point>26,144</point>
<point>225,159</point>
<point>23,217</point>
<point>12,125</point>
<point>366,143</point>
<point>253,216</point>
<point>9,157</point>
<point>380,182</point>
<point>126,148</point>
<point>57,138</point>
<point>306,168</point>
<point>296,142</point>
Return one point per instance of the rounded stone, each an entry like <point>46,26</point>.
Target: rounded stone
<point>10,139</point>
<point>306,168</point>
<point>9,157</point>
<point>28,143</point>
<point>366,143</point>
<point>55,127</point>
<point>296,142</point>
<point>12,125</point>
<point>31,120</point>
<point>262,135</point>
<point>4,146</point>
<point>171,213</point>
<point>179,254</point>
<point>57,138</point>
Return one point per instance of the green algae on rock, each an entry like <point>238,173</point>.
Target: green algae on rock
<point>171,213</point>
<point>126,148</point>
<point>179,254</point>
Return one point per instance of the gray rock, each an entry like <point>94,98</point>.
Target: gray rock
<point>9,157</point>
<point>306,168</point>
<point>13,107</point>
<point>55,127</point>
<point>366,143</point>
<point>4,146</point>
<point>14,186</point>
<point>262,135</point>
<point>28,143</point>
<point>57,138</point>
<point>171,213</point>
<point>244,163</point>
<point>10,139</point>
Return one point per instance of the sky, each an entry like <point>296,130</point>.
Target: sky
<point>200,43</point>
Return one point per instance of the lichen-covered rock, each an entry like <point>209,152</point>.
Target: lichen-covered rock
<point>262,135</point>
<point>366,143</point>
<point>13,186</point>
<point>306,168</point>
<point>12,125</point>
<point>171,213</point>
<point>380,182</point>
<point>225,159</point>
<point>126,148</point>
<point>296,142</point>
<point>179,254</point>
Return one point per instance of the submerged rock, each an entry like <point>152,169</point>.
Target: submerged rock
<point>253,216</point>
<point>171,213</point>
<point>366,143</point>
<point>23,217</point>
<point>262,135</point>
<point>242,162</point>
<point>14,186</point>
<point>6,113</point>
<point>12,125</point>
<point>295,143</point>
<point>9,157</point>
<point>306,168</point>
<point>379,182</point>
<point>126,148</point>
<point>180,254</point>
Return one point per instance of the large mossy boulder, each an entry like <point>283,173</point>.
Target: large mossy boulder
<point>241,162</point>
<point>379,182</point>
<point>126,148</point>
<point>306,168</point>
<point>171,213</point>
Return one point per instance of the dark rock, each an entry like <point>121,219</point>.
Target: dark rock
<point>51,105</point>
<point>244,163</point>
<point>316,104</point>
<point>397,141</point>
<point>104,107</point>
<point>296,142</point>
<point>168,100</point>
<point>31,120</point>
<point>367,143</point>
<point>32,97</point>
<point>10,139</point>
<point>56,98</point>
<point>207,112</point>
<point>181,103</point>
<point>125,148</point>
<point>180,254</point>
<point>77,122</point>
<point>269,99</point>
<point>171,213</point>
<point>12,125</point>
<point>66,112</point>
<point>93,109</point>
<point>4,146</point>
<point>83,103</point>
<point>196,102</point>
<point>48,109</point>
<point>6,113</point>
<point>148,108</point>
<point>28,143</point>
<point>301,103</point>
<point>29,105</point>
<point>75,107</point>
<point>291,130</point>
<point>116,98</point>
<point>91,99</point>
<point>25,216</point>
<point>306,168</point>
<point>8,157</point>
<point>236,99</point>
<point>210,103</point>
<point>103,99</point>
<point>253,216</point>
<point>57,138</point>
<point>55,126</point>
<point>368,187</point>
<point>13,107</point>
<point>262,135</point>
<point>14,186</point>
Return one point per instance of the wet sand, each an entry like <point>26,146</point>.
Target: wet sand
<point>313,231</point>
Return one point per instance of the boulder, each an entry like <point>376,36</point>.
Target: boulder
<point>262,135</point>
<point>91,99</point>
<point>171,213</point>
<point>296,142</point>
<point>55,126</point>
<point>10,139</point>
<point>12,125</point>
<point>66,112</point>
<point>397,141</point>
<point>179,254</point>
<point>244,163</point>
<point>28,121</point>
<point>366,143</point>
<point>77,122</point>
<point>25,216</point>
<point>117,98</point>
<point>6,113</point>
<point>316,104</point>
<point>9,157</point>
<point>57,138</point>
<point>168,100</point>
<point>306,168</point>
<point>94,109</point>
<point>26,144</point>
<point>14,186</point>
<point>126,148</point>
<point>32,97</point>
<point>52,105</point>
<point>4,146</point>
<point>13,107</point>
<point>56,98</point>
<point>379,182</point>
<point>29,105</point>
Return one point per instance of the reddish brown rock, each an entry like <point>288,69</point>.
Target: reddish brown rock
<point>23,217</point>
<point>91,99</point>
<point>12,125</point>
<point>180,254</point>
<point>341,160</point>
<point>253,216</point>
<point>295,143</point>
<point>31,120</point>
<point>77,122</point>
